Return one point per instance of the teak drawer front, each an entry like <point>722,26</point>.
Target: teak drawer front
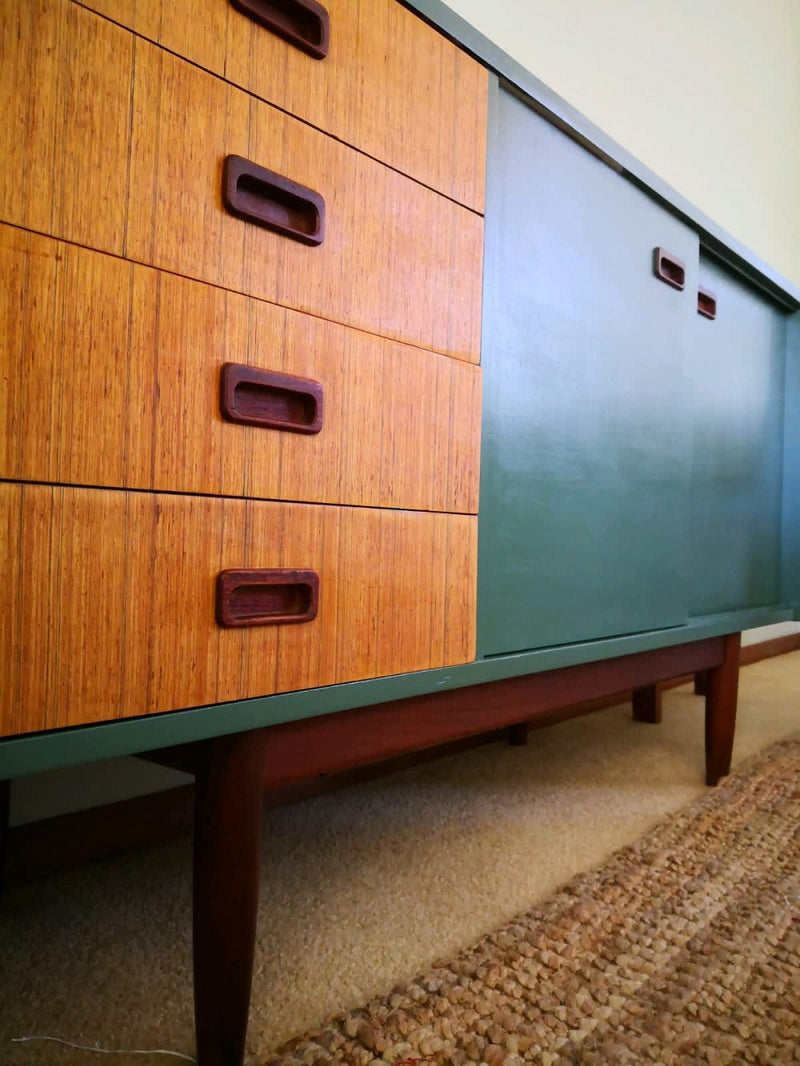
<point>389,85</point>
<point>117,145</point>
<point>119,620</point>
<point>112,377</point>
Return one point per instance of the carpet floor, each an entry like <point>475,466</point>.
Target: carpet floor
<point>363,888</point>
<point>684,948</point>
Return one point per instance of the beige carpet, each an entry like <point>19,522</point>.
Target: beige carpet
<point>361,888</point>
<point>683,948</point>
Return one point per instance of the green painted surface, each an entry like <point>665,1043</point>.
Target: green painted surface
<point>20,756</point>
<point>790,532</point>
<point>585,476</point>
<point>738,400</point>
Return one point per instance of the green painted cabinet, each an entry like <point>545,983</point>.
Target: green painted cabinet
<point>587,436</point>
<point>639,457</point>
<point>790,524</point>
<point>738,372</point>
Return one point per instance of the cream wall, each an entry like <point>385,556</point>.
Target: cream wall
<point>706,93</point>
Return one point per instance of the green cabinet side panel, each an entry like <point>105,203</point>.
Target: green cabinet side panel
<point>790,531</point>
<point>585,478</point>
<point>738,375</point>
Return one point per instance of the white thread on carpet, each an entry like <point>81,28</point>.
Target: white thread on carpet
<point>101,1050</point>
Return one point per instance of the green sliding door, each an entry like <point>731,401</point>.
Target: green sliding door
<point>790,528</point>
<point>738,383</point>
<point>587,432</point>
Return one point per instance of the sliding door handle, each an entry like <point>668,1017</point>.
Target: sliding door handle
<point>668,268</point>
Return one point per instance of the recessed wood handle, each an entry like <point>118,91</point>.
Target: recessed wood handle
<point>273,401</point>
<point>303,23</point>
<point>669,268</point>
<point>257,195</point>
<point>706,303</point>
<point>266,597</point>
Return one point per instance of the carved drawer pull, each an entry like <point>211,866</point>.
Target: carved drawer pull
<point>258,195</point>
<point>303,23</point>
<point>266,597</point>
<point>271,400</point>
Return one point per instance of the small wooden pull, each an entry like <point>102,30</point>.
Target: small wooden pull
<point>257,195</point>
<point>706,303</point>
<point>303,23</point>
<point>669,268</point>
<point>266,597</point>
<point>273,401</point>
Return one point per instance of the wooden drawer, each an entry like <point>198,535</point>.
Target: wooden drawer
<point>112,377</point>
<point>119,619</point>
<point>113,143</point>
<point>389,85</point>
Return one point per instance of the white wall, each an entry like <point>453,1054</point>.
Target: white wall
<point>76,788</point>
<point>706,93</point>
<point>780,629</point>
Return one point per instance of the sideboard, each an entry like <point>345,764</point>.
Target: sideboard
<point>358,396</point>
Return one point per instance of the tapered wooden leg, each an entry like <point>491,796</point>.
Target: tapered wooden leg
<point>647,704</point>
<point>227,859</point>
<point>518,734</point>
<point>721,696</point>
<point>701,682</point>
<point>5,809</point>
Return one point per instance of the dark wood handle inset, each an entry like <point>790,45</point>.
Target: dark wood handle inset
<point>706,303</point>
<point>266,597</point>
<point>669,268</point>
<point>270,400</point>
<point>257,195</point>
<point>303,23</point>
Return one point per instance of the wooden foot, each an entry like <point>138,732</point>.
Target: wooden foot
<point>701,683</point>
<point>227,858</point>
<point>5,808</point>
<point>721,696</point>
<point>518,734</point>
<point>647,704</point>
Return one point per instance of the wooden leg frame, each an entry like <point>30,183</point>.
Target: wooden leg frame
<point>232,773</point>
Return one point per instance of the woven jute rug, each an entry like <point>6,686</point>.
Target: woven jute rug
<point>684,948</point>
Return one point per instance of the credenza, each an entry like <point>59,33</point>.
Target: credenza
<point>358,396</point>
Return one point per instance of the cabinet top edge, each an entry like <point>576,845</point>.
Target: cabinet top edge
<point>713,238</point>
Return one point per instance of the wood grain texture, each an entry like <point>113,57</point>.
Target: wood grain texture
<point>227,865</point>
<point>722,695</point>
<point>127,143</point>
<point>112,371</point>
<point>646,703</point>
<point>65,91</point>
<point>111,600</point>
<point>391,85</point>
